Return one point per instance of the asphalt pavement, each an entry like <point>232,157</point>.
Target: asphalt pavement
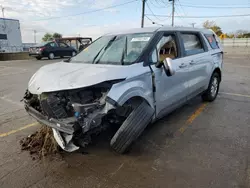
<point>198,145</point>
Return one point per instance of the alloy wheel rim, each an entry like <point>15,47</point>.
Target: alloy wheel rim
<point>214,87</point>
<point>51,55</point>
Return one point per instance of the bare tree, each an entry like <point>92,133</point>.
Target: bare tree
<point>212,25</point>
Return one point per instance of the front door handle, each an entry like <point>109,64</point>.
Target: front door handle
<point>183,65</point>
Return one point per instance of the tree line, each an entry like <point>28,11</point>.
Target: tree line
<point>50,37</point>
<point>207,24</point>
<point>237,34</point>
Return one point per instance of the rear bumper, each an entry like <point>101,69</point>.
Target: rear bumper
<point>51,122</point>
<point>35,54</point>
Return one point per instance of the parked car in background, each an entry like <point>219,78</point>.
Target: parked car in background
<point>125,81</point>
<point>51,50</point>
<point>79,43</point>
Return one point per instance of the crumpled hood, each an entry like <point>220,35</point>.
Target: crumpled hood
<point>65,76</point>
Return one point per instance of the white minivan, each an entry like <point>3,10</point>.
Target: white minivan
<point>125,80</point>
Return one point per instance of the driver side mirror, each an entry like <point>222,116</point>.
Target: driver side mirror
<point>167,65</point>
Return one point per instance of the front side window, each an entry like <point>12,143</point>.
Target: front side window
<point>116,49</point>
<point>166,48</point>
<point>212,41</point>
<point>192,44</point>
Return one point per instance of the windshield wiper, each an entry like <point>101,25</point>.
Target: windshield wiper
<point>105,48</point>
<point>124,51</point>
<point>97,55</point>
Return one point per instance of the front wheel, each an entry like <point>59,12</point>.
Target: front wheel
<point>213,88</point>
<point>132,127</point>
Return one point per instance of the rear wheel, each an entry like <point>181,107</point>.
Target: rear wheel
<point>38,58</point>
<point>132,127</point>
<point>213,88</point>
<point>51,56</point>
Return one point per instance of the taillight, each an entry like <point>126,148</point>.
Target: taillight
<point>41,49</point>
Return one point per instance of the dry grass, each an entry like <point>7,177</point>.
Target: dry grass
<point>41,143</point>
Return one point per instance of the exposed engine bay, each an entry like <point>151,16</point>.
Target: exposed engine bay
<point>75,115</point>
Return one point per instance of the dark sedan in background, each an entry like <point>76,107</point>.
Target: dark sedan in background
<point>51,50</point>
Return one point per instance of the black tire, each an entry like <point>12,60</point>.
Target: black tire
<point>38,58</point>
<point>51,55</point>
<point>209,95</point>
<point>132,127</point>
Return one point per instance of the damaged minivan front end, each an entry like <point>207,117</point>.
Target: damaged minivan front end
<point>104,85</point>
<point>74,115</point>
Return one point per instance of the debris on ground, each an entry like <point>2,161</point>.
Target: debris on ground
<point>41,143</point>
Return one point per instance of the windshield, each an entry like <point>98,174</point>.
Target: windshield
<point>117,50</point>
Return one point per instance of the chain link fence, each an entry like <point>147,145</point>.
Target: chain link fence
<point>236,42</point>
<point>237,46</point>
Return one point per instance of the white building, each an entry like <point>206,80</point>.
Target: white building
<point>10,35</point>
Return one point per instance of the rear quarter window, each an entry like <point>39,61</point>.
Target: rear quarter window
<point>212,41</point>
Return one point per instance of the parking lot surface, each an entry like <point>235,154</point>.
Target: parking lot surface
<point>199,145</point>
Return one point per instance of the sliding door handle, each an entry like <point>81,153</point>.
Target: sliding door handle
<point>192,62</point>
<point>182,65</point>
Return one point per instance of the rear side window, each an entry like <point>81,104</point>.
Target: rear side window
<point>212,41</point>
<point>63,45</point>
<point>51,44</point>
<point>192,44</point>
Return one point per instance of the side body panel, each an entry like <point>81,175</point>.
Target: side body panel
<point>199,65</point>
<point>171,91</point>
<point>216,58</point>
<point>137,84</point>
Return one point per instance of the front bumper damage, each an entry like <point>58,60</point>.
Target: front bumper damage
<point>62,131</point>
<point>51,122</point>
<point>66,129</point>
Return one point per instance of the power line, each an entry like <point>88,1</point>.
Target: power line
<point>219,7</point>
<point>237,4</point>
<point>181,17</point>
<point>218,16</point>
<point>182,8</point>
<point>87,12</point>
<point>155,5</point>
<point>162,3</point>
<point>153,22</point>
<point>153,12</point>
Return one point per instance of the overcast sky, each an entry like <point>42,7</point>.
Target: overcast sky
<point>54,15</point>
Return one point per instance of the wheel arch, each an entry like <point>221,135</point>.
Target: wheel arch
<point>217,70</point>
<point>131,91</point>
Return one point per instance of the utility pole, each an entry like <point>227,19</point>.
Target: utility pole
<point>192,24</point>
<point>172,12</point>
<point>143,13</point>
<point>2,9</point>
<point>35,36</point>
